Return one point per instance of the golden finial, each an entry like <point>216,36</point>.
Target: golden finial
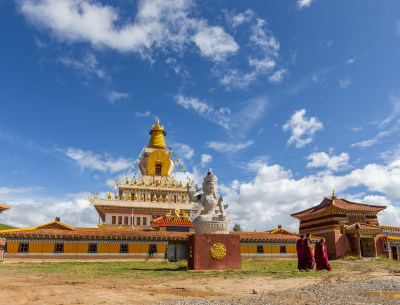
<point>333,195</point>
<point>157,136</point>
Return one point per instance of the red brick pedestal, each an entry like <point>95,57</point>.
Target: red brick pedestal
<point>206,252</point>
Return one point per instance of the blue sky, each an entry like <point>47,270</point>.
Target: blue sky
<point>285,100</point>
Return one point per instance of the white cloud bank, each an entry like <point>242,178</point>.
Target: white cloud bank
<point>74,210</point>
<point>223,147</point>
<point>158,24</point>
<point>270,198</point>
<point>302,128</point>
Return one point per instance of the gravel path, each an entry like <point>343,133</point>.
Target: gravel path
<point>330,293</point>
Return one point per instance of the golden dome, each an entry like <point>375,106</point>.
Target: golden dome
<point>157,136</point>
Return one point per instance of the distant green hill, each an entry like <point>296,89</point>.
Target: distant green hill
<point>6,227</point>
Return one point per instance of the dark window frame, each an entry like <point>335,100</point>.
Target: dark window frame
<point>260,249</point>
<point>90,248</point>
<point>153,248</point>
<point>126,220</point>
<point>120,220</point>
<point>114,220</point>
<point>23,247</point>
<point>57,247</point>
<point>124,248</point>
<point>283,249</point>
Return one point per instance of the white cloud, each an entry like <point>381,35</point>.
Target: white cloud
<point>303,3</point>
<point>158,24</point>
<point>88,65</point>
<point>114,96</point>
<point>395,112</point>
<point>273,194</point>
<point>302,128</point>
<point>277,76</point>
<point>228,147</point>
<point>344,83</point>
<point>74,210</point>
<point>242,18</point>
<point>262,62</point>
<point>366,143</point>
<point>356,128</point>
<point>350,61</point>
<point>20,190</point>
<point>90,160</point>
<point>213,42</point>
<point>222,116</point>
<point>205,159</point>
<point>144,114</point>
<point>392,122</point>
<point>183,151</point>
<point>332,162</point>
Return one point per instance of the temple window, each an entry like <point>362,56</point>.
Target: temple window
<point>144,221</point>
<point>138,221</point>
<point>124,248</point>
<point>158,169</point>
<point>132,219</point>
<point>120,220</point>
<point>23,247</point>
<point>283,249</point>
<point>153,248</point>
<point>59,248</point>
<point>260,249</point>
<point>126,220</point>
<point>92,248</point>
<point>114,220</point>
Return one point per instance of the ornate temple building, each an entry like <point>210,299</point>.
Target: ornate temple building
<point>146,218</point>
<point>156,198</point>
<point>350,228</point>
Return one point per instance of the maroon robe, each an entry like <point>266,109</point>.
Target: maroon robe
<point>321,257</point>
<point>308,257</point>
<point>299,249</point>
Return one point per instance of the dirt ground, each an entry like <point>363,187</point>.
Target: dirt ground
<point>54,288</point>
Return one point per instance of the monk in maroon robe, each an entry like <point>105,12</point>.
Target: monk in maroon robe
<point>321,256</point>
<point>299,249</point>
<point>308,257</point>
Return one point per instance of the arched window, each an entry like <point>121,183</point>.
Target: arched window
<point>158,169</point>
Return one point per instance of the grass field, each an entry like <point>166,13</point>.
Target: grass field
<point>278,269</point>
<point>6,227</point>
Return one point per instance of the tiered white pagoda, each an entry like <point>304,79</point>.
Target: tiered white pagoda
<point>155,195</point>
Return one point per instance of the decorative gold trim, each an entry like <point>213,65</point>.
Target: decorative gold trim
<point>160,156</point>
<point>218,251</point>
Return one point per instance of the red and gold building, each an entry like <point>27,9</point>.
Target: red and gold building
<point>350,228</point>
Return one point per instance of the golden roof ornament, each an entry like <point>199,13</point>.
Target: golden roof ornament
<point>333,195</point>
<point>157,136</point>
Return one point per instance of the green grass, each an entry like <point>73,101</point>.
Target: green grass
<point>141,269</point>
<point>6,227</point>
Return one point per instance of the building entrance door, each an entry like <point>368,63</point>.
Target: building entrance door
<point>367,247</point>
<point>395,253</point>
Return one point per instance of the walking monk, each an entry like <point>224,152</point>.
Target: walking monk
<point>308,257</point>
<point>299,249</point>
<point>321,256</point>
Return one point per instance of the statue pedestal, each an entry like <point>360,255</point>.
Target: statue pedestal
<point>214,252</point>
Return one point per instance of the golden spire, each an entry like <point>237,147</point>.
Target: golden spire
<point>157,136</point>
<point>333,195</point>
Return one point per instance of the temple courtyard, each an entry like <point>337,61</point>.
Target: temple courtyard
<point>161,282</point>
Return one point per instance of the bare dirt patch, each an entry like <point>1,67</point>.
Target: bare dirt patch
<point>36,287</point>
